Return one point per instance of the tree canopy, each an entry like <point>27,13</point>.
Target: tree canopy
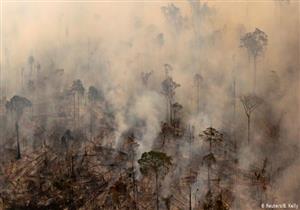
<point>211,134</point>
<point>168,87</point>
<point>94,94</point>
<point>154,161</point>
<point>77,86</point>
<point>255,42</point>
<point>17,104</point>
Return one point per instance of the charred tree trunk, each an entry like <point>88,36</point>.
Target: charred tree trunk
<point>248,122</point>
<point>157,196</point>
<point>198,97</point>
<point>234,114</point>
<point>254,75</point>
<point>92,120</point>
<point>78,110</point>
<point>208,177</point>
<point>135,207</point>
<point>171,112</point>
<point>72,166</point>
<point>18,142</point>
<point>190,197</point>
<point>74,110</point>
<point>168,111</point>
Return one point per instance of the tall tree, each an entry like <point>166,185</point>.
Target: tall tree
<point>94,96</point>
<point>192,177</point>
<point>212,136</point>
<point>131,151</point>
<point>77,86</point>
<point>250,103</point>
<point>157,163</point>
<point>176,108</point>
<point>16,106</point>
<point>209,160</point>
<point>255,42</point>
<point>197,80</point>
<point>168,90</point>
<point>77,89</point>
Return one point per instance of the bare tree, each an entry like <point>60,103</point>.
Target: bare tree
<point>168,90</point>
<point>255,43</point>
<point>250,103</point>
<point>191,178</point>
<point>197,80</point>
<point>78,91</point>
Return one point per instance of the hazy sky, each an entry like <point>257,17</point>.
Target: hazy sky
<point>118,39</point>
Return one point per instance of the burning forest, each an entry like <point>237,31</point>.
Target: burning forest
<point>184,105</point>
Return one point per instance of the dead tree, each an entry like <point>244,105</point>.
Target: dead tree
<point>209,160</point>
<point>78,92</point>
<point>168,90</point>
<point>250,103</point>
<point>261,180</point>
<point>197,80</point>
<point>192,175</point>
<point>233,94</point>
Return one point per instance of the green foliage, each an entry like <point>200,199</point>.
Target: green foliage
<point>154,161</point>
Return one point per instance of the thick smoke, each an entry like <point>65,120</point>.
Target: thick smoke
<point>109,45</point>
